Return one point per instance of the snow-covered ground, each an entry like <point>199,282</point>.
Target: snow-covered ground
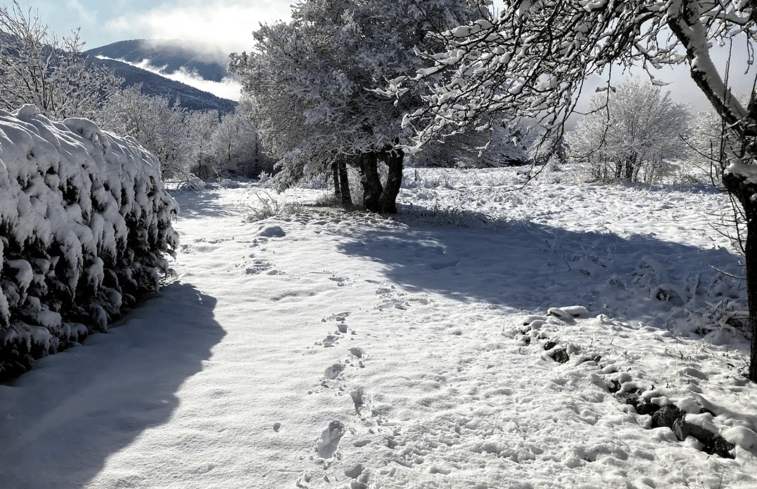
<point>318,348</point>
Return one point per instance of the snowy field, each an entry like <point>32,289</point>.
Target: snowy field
<point>323,349</point>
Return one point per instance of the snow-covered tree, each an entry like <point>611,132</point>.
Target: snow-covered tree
<point>201,126</point>
<point>158,126</point>
<point>470,148</point>
<point>36,67</point>
<point>313,76</point>
<point>631,133</point>
<point>533,59</point>
<point>236,146</point>
<point>708,139</point>
<point>706,142</point>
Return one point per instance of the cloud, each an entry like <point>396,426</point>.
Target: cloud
<point>87,16</point>
<point>227,23</point>
<point>227,88</point>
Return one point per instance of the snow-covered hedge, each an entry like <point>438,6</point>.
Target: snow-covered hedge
<point>84,225</point>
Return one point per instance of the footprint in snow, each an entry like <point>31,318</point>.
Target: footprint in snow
<point>258,266</point>
<point>329,341</point>
<point>341,317</point>
<point>329,442</point>
<point>358,399</point>
<point>358,352</point>
<point>333,371</point>
<point>340,281</point>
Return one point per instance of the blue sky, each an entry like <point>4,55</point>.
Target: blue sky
<point>228,23</point>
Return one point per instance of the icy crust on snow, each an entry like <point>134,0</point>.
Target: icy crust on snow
<point>85,221</point>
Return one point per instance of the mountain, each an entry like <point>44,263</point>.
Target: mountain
<point>206,60</point>
<point>156,85</point>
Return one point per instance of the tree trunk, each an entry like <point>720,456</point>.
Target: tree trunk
<point>751,285</point>
<point>630,168</point>
<point>739,186</point>
<point>743,128</point>
<point>344,183</point>
<point>335,175</point>
<point>371,182</point>
<point>388,200</point>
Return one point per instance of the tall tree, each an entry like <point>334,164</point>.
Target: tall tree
<point>314,77</point>
<point>236,146</point>
<point>534,59</point>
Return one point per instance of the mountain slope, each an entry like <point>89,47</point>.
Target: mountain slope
<point>156,85</point>
<point>208,61</point>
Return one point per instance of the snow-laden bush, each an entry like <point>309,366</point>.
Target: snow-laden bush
<point>84,225</point>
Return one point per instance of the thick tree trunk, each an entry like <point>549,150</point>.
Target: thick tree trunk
<point>344,183</point>
<point>388,200</point>
<point>371,182</point>
<point>740,186</point>
<point>751,285</point>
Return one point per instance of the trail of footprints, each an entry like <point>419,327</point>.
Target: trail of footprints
<point>371,426</point>
<point>368,413</point>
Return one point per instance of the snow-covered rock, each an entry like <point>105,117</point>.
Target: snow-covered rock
<point>84,223</point>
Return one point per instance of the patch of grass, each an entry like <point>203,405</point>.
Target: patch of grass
<point>263,206</point>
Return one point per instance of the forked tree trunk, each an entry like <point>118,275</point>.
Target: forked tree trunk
<point>371,182</point>
<point>388,200</point>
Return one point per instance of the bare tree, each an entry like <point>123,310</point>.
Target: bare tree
<point>160,127</point>
<point>36,67</point>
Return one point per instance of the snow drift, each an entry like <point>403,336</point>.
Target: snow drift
<point>85,222</point>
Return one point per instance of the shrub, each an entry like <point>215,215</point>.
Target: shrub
<point>84,226</point>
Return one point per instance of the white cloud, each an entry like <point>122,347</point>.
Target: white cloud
<point>87,16</point>
<point>227,88</point>
<point>226,23</point>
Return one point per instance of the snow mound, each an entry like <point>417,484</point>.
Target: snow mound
<point>272,232</point>
<point>84,223</point>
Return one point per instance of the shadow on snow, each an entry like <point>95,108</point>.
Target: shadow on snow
<point>200,204</point>
<point>532,267</point>
<point>82,405</point>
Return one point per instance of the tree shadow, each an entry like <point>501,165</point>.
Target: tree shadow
<point>61,421</point>
<point>200,204</point>
<point>532,267</point>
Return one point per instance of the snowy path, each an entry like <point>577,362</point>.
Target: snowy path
<point>348,351</point>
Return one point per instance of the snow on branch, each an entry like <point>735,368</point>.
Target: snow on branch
<point>84,225</point>
<point>532,61</point>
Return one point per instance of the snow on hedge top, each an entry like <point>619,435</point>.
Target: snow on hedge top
<point>70,185</point>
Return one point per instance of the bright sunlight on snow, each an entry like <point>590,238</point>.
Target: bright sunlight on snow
<point>485,337</point>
